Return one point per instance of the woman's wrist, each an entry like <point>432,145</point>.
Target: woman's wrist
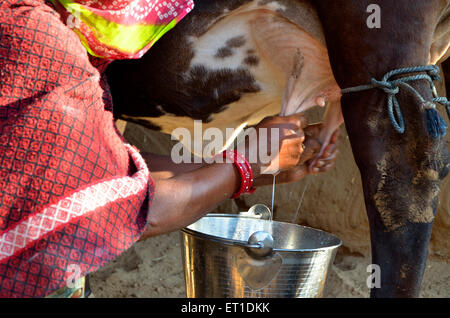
<point>244,170</point>
<point>237,178</point>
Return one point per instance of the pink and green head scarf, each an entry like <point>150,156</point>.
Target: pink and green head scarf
<point>121,29</point>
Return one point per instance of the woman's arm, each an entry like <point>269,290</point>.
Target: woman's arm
<point>182,200</point>
<point>162,167</point>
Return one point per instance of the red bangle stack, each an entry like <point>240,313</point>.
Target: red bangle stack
<point>245,170</point>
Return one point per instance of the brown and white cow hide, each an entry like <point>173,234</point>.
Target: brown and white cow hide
<point>227,64</point>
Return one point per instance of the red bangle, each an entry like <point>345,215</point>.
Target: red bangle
<point>245,171</point>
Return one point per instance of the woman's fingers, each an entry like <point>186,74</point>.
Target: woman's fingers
<point>335,136</point>
<point>327,159</point>
<point>299,145</point>
<point>329,151</point>
<point>322,162</point>
<point>286,176</point>
<point>291,125</point>
<point>294,174</point>
<point>312,148</point>
<point>313,130</point>
<point>316,170</point>
<point>291,152</point>
<point>292,138</point>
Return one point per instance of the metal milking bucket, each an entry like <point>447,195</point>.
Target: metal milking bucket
<point>245,255</point>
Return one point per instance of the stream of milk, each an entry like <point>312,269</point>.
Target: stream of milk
<point>270,230</point>
<point>294,220</point>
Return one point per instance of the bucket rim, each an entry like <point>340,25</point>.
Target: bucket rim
<point>228,241</point>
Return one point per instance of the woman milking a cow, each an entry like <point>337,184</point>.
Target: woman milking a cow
<point>74,195</point>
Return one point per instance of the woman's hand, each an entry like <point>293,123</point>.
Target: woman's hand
<point>308,163</point>
<point>269,152</point>
<point>327,159</point>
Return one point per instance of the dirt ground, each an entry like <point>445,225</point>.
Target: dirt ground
<point>153,268</point>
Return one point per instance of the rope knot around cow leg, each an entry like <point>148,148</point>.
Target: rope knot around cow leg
<point>386,86</point>
<point>435,125</point>
<point>434,73</point>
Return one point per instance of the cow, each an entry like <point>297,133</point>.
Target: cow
<point>231,62</point>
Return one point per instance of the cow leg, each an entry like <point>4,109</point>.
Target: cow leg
<point>446,71</point>
<point>401,173</point>
<point>401,179</point>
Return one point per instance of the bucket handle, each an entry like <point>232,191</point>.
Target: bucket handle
<point>257,211</point>
<point>259,244</point>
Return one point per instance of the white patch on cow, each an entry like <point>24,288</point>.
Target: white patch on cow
<point>206,47</point>
<point>273,5</point>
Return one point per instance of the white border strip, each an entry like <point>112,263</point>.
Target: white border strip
<point>76,205</point>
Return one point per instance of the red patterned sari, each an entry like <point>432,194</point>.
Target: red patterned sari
<point>73,194</point>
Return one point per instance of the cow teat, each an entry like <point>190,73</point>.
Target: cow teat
<point>320,101</point>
